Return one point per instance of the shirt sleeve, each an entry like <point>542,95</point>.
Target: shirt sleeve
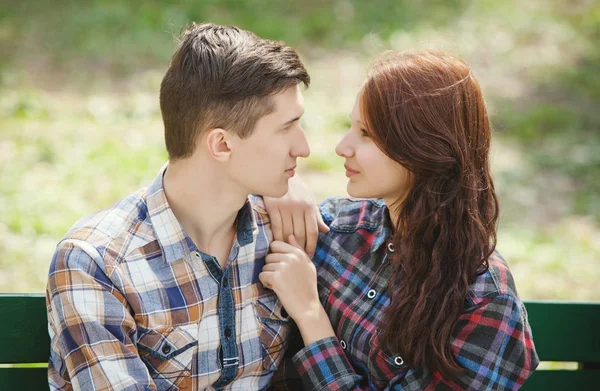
<point>92,333</point>
<point>492,342</point>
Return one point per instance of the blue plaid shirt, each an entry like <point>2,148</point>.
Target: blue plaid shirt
<point>133,305</point>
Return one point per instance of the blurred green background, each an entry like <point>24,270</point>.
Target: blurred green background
<point>80,123</point>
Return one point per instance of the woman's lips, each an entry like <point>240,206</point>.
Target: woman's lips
<point>350,172</point>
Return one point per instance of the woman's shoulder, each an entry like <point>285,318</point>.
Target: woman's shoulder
<point>336,249</point>
<point>497,280</point>
<point>350,214</point>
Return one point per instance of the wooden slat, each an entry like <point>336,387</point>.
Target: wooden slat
<point>562,380</point>
<point>23,378</point>
<point>565,331</point>
<point>24,329</point>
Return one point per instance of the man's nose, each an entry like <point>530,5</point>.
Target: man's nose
<point>300,147</point>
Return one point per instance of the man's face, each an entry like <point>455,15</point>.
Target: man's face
<point>264,162</point>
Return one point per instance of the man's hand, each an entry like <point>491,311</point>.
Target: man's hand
<point>296,213</point>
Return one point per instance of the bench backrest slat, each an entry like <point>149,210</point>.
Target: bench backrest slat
<point>23,329</point>
<point>565,331</point>
<point>561,332</point>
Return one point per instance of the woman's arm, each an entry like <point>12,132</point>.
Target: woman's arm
<point>492,342</point>
<point>291,274</point>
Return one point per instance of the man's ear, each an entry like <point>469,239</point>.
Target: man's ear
<point>217,141</point>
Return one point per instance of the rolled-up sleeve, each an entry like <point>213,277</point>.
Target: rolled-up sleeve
<point>91,330</point>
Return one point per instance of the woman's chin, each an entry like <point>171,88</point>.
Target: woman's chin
<point>356,192</point>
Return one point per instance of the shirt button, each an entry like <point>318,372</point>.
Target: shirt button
<point>390,247</point>
<point>398,361</point>
<point>225,282</point>
<point>197,254</point>
<point>166,349</point>
<point>371,294</point>
<point>227,332</point>
<point>343,343</point>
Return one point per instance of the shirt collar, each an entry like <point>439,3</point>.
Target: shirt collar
<point>172,239</point>
<point>384,231</point>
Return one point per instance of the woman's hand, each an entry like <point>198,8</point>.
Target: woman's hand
<point>296,213</point>
<point>291,274</point>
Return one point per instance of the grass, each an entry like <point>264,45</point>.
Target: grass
<point>80,125</point>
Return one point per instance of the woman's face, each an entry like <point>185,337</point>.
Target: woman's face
<point>371,174</point>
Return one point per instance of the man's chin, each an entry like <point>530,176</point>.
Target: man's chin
<point>275,191</point>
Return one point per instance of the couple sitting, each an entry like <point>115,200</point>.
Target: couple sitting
<point>191,284</point>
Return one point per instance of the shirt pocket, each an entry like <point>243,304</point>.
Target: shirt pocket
<point>383,365</point>
<point>168,352</point>
<point>274,327</point>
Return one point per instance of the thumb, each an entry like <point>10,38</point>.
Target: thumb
<point>322,226</point>
<point>292,240</point>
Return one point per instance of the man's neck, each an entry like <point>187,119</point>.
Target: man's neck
<point>206,205</point>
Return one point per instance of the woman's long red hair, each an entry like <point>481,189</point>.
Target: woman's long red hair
<point>425,110</point>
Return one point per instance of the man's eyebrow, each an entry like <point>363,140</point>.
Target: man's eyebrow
<point>293,120</point>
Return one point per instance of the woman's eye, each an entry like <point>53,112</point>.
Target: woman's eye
<point>364,133</point>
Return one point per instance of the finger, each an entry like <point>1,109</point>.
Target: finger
<point>273,258</point>
<point>294,242</point>
<point>276,224</point>
<point>266,279</point>
<point>322,226</point>
<point>281,248</point>
<point>312,234</point>
<point>271,267</point>
<point>287,224</point>
<point>299,228</point>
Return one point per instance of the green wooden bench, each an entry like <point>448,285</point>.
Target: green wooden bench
<point>563,332</point>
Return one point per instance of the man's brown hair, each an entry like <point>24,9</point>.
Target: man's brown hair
<point>223,77</point>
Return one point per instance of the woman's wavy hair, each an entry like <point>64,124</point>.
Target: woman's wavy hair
<point>424,109</point>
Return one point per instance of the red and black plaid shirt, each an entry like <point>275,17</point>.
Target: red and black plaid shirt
<point>492,339</point>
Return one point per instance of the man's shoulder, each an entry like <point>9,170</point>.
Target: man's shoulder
<point>113,230</point>
<point>349,214</point>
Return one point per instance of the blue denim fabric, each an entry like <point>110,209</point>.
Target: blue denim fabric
<point>228,353</point>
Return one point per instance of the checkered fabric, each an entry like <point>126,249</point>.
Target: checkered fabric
<point>492,340</point>
<point>134,305</point>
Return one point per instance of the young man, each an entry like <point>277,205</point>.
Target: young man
<point>161,291</point>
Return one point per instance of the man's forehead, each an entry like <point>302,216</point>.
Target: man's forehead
<point>288,103</point>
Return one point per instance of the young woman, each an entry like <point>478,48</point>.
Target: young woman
<point>408,292</point>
